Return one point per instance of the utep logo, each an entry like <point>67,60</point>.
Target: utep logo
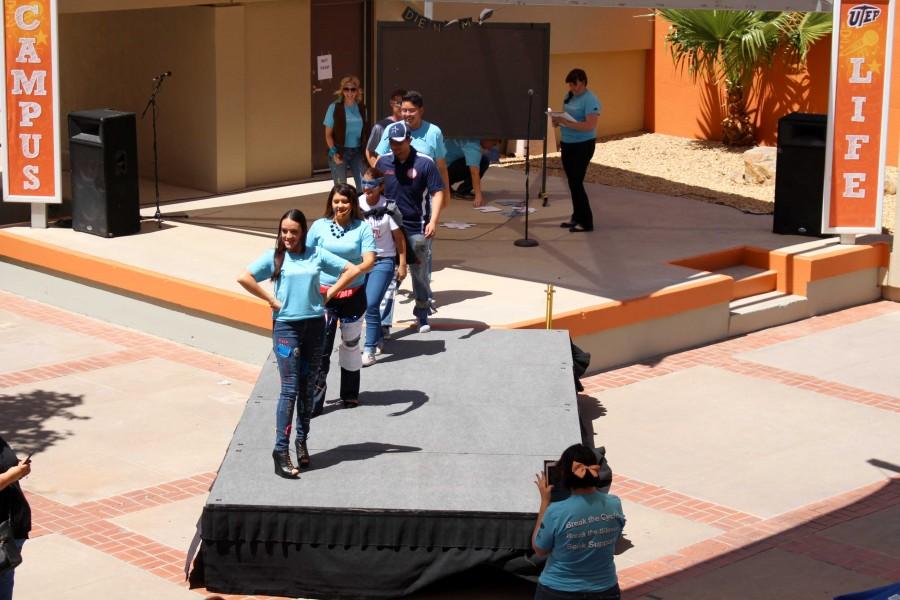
<point>862,15</point>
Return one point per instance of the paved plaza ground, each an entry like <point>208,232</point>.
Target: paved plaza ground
<point>765,466</point>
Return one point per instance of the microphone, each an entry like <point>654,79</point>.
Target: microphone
<point>163,76</point>
<point>530,92</point>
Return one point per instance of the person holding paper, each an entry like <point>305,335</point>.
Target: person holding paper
<point>467,161</point>
<point>578,140</point>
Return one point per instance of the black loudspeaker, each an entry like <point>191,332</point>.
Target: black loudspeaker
<point>103,161</point>
<point>800,174</point>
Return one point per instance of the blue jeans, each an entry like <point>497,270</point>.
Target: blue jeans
<point>353,163</point>
<point>298,351</point>
<point>7,579</point>
<point>377,282</point>
<point>421,273</point>
<point>545,593</point>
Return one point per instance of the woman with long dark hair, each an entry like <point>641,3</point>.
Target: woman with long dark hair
<point>577,144</point>
<point>579,533</point>
<point>13,506</point>
<point>346,131</point>
<point>343,232</point>
<point>295,267</point>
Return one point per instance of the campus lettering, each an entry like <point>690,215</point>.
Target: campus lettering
<point>29,89</point>
<point>859,78</point>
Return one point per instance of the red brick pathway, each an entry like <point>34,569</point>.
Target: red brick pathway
<point>742,536</point>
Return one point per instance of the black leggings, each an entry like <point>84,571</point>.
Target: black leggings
<point>575,159</point>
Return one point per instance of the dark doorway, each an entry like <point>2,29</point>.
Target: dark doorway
<point>339,31</point>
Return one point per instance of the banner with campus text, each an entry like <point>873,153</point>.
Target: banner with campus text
<point>858,117</point>
<point>30,102</point>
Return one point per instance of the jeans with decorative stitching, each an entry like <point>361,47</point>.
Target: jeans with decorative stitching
<point>298,352</point>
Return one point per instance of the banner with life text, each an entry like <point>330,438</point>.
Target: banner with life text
<point>858,117</point>
<point>30,103</point>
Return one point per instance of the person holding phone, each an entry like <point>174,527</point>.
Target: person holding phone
<point>297,305</point>
<point>13,506</point>
<point>579,533</point>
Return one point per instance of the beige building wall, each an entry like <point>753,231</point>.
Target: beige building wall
<point>108,60</point>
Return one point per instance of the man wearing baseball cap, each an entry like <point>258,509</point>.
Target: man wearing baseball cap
<point>412,180</point>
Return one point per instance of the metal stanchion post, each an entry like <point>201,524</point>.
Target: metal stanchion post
<point>549,316</point>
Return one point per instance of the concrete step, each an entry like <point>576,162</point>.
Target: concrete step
<point>765,310</point>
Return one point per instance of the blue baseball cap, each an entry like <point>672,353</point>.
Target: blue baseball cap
<point>398,131</point>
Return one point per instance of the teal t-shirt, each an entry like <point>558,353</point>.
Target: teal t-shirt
<point>298,286</point>
<point>580,107</point>
<point>580,533</point>
<point>349,244</point>
<point>353,132</point>
<point>468,149</point>
<point>427,139</point>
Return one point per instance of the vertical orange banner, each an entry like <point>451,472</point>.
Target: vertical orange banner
<point>30,105</point>
<point>858,111</point>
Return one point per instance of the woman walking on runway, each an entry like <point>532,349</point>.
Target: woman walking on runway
<point>343,232</point>
<point>295,267</point>
<point>578,140</point>
<point>346,131</point>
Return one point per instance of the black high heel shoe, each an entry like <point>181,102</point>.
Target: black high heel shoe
<point>283,465</point>
<point>302,454</point>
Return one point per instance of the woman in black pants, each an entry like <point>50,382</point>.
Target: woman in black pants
<point>578,141</point>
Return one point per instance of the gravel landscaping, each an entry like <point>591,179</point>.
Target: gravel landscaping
<point>675,166</point>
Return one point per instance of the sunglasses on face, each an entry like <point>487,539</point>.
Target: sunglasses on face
<point>349,89</point>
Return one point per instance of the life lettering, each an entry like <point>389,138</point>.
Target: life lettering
<point>853,182</point>
<point>26,19</point>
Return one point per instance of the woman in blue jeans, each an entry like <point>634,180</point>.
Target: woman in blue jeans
<point>297,325</point>
<point>390,261</point>
<point>579,533</point>
<point>346,130</point>
<point>13,506</point>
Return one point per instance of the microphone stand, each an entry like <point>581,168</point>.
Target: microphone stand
<point>544,195</point>
<point>527,242</point>
<point>157,84</point>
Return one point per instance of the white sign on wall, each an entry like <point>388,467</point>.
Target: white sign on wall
<point>323,63</point>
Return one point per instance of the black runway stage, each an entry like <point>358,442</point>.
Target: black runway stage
<point>431,475</point>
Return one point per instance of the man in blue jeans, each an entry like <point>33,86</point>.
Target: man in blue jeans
<point>413,181</point>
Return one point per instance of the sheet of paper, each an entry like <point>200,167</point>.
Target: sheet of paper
<point>324,63</point>
<point>457,225</point>
<point>488,209</point>
<point>562,115</point>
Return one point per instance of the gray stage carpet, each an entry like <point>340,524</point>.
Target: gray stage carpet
<point>441,454</point>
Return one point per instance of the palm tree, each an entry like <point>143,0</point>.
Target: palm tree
<point>728,46</point>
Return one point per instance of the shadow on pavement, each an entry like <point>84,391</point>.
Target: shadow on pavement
<point>25,415</point>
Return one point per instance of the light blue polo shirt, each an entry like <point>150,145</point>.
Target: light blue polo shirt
<point>298,286</point>
<point>427,139</point>
<point>580,533</point>
<point>580,107</point>
<point>464,148</point>
<point>349,244</point>
<point>353,132</point>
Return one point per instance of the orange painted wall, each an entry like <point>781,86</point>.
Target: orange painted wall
<point>676,106</point>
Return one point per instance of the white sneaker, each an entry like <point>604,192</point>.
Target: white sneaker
<point>424,327</point>
<point>368,359</point>
<point>379,348</point>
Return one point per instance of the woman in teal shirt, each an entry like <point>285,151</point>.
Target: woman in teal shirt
<point>579,533</point>
<point>297,305</point>
<point>578,140</point>
<point>345,129</point>
<point>343,232</point>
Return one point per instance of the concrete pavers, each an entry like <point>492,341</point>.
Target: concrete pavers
<point>743,442</point>
<point>39,344</point>
<point>129,541</point>
<point>137,424</point>
<point>859,355</point>
<point>55,566</point>
<point>772,574</point>
<point>879,531</point>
